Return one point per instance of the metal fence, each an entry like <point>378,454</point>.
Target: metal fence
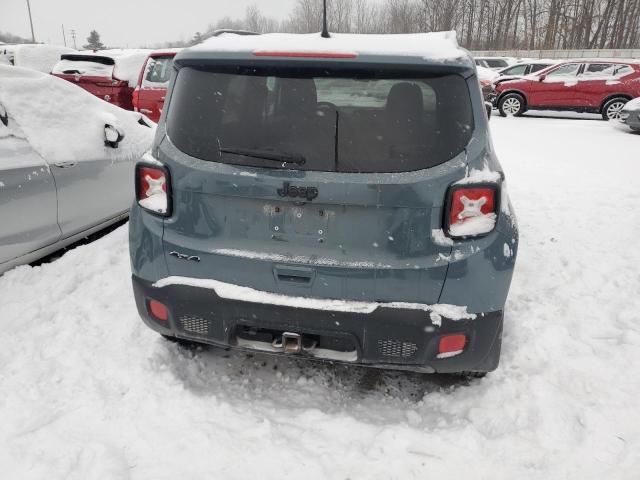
<point>561,54</point>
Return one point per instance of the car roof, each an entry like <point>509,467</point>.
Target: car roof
<point>603,60</point>
<point>419,48</point>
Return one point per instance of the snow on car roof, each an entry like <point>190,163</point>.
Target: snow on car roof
<point>39,56</point>
<point>64,122</point>
<point>439,46</point>
<point>128,62</point>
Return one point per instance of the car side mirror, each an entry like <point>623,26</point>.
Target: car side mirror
<point>488,107</point>
<point>541,78</point>
<point>4,116</point>
<point>112,136</point>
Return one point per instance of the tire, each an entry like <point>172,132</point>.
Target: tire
<point>512,104</point>
<point>611,110</point>
<point>470,375</point>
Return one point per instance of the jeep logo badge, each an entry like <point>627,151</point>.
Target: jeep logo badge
<point>292,191</point>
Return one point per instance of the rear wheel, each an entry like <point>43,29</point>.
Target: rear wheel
<point>512,104</point>
<point>471,375</point>
<point>613,108</point>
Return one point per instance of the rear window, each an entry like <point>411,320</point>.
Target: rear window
<point>536,67</point>
<point>516,70</point>
<point>305,119</point>
<point>496,62</point>
<point>157,72</point>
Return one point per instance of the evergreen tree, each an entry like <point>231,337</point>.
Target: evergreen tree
<point>93,41</point>
<point>197,38</point>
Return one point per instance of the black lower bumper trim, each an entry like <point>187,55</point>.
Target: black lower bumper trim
<point>387,338</point>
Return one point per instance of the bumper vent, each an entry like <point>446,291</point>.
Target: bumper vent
<point>397,348</point>
<point>193,324</point>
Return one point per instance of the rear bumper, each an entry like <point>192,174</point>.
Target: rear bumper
<point>387,337</point>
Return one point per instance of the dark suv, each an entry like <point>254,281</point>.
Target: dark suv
<point>336,198</point>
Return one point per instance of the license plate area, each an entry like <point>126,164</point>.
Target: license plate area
<point>304,220</point>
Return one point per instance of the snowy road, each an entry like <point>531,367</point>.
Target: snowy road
<point>88,392</point>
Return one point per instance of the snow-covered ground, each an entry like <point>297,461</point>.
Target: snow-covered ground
<point>88,392</point>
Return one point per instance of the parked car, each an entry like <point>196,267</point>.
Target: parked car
<point>149,95</point>
<point>110,75</point>
<point>494,63</point>
<point>486,77</point>
<point>594,86</point>
<point>37,56</point>
<point>66,161</point>
<point>336,199</point>
<point>630,115</point>
<point>523,69</point>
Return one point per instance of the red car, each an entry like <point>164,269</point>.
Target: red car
<point>594,86</point>
<point>109,75</point>
<point>148,97</point>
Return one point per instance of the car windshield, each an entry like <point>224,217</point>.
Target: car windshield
<point>358,121</point>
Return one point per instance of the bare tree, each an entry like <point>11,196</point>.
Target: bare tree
<point>481,24</point>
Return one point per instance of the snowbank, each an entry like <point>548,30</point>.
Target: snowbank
<point>39,57</point>
<point>433,46</point>
<point>63,122</point>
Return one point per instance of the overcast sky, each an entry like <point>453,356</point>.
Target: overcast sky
<point>126,23</point>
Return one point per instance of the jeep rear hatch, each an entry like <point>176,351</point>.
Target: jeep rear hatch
<point>363,157</point>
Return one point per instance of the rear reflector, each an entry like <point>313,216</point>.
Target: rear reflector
<point>263,53</point>
<point>451,345</point>
<point>158,310</point>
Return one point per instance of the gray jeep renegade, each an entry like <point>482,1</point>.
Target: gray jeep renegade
<point>336,199</point>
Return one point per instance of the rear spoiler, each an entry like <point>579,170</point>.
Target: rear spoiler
<point>88,58</point>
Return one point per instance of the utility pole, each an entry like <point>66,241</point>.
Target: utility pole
<point>33,35</point>
<point>64,37</point>
<point>73,35</point>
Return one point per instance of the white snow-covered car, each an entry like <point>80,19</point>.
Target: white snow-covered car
<point>630,115</point>
<point>40,57</point>
<point>66,163</point>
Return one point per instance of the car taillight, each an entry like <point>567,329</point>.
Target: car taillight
<point>485,83</point>
<point>153,188</point>
<point>135,98</point>
<point>471,210</point>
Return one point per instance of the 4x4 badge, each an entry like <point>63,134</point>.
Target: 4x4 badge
<point>182,256</point>
<point>288,190</point>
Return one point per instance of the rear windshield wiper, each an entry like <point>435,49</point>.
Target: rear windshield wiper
<point>266,155</point>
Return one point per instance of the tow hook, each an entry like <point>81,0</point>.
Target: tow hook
<point>291,342</point>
